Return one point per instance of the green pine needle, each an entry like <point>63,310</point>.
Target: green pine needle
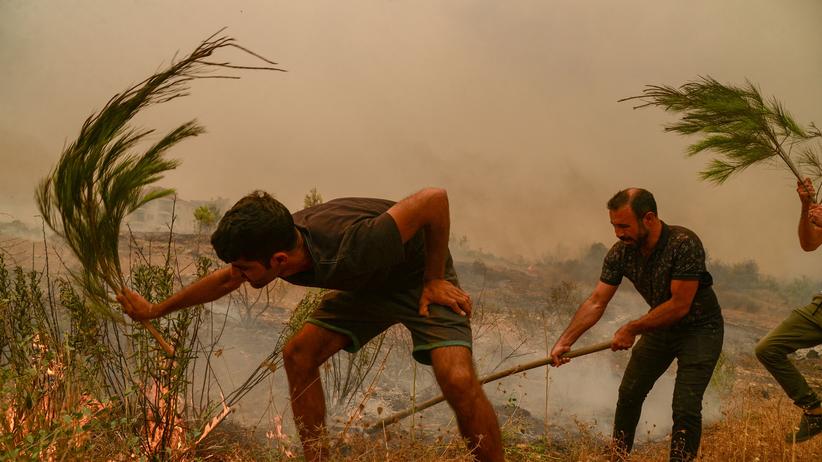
<point>100,179</point>
<point>737,125</point>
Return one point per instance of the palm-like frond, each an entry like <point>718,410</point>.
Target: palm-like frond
<point>737,124</point>
<point>100,179</point>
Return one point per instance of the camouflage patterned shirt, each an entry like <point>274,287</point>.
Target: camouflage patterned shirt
<point>677,255</point>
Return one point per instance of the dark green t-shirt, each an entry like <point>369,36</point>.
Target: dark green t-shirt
<point>355,245</point>
<point>677,255</point>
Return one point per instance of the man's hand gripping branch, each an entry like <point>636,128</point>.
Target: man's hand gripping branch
<point>810,218</point>
<point>204,290</point>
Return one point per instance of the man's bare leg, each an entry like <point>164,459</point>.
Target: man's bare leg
<point>476,418</point>
<point>303,355</point>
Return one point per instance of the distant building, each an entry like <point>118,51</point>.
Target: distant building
<point>155,216</point>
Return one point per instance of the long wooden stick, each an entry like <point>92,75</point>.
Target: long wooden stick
<point>159,337</point>
<point>378,426</point>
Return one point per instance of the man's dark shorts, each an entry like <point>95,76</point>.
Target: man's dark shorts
<point>363,315</point>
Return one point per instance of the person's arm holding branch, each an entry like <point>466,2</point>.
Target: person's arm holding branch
<point>810,218</point>
<point>204,290</point>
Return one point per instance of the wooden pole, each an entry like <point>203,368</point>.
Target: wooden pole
<point>378,426</point>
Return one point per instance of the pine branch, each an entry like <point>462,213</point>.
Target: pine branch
<point>100,179</point>
<point>737,125</point>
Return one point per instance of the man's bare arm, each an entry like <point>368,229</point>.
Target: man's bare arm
<point>428,210</point>
<point>204,290</point>
<point>588,314</point>
<point>664,315</point>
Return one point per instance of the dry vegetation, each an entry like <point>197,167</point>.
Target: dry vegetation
<point>58,404</point>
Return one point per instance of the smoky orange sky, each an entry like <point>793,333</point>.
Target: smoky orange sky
<point>511,106</point>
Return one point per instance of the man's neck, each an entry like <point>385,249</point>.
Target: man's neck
<point>654,233</point>
<point>301,257</point>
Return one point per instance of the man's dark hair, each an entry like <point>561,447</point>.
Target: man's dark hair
<point>255,228</point>
<point>640,200</point>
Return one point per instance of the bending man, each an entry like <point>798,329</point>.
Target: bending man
<point>387,262</point>
<point>801,329</point>
<point>666,264</point>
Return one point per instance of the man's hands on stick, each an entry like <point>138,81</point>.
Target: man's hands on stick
<point>624,338</point>
<point>557,351</point>
<point>443,292</point>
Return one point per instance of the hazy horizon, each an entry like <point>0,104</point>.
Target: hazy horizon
<point>510,106</point>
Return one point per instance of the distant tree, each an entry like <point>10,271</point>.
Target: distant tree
<point>460,242</point>
<point>312,198</point>
<point>206,217</point>
<point>740,276</point>
<point>595,253</point>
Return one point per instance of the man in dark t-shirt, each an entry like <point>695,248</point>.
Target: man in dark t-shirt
<point>384,262</point>
<point>377,279</point>
<point>666,264</point>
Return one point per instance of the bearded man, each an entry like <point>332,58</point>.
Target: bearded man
<point>666,264</point>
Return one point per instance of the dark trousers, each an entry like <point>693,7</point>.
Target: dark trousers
<point>801,329</point>
<point>696,349</point>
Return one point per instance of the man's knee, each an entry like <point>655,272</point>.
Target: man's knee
<point>463,392</point>
<point>630,395</point>
<point>302,352</point>
<point>458,381</point>
<point>456,377</point>
<point>297,355</point>
<point>312,346</point>
<point>766,352</point>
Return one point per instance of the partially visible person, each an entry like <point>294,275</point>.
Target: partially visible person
<point>801,329</point>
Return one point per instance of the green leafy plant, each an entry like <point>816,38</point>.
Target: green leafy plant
<point>206,217</point>
<point>99,179</point>
<point>737,124</point>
